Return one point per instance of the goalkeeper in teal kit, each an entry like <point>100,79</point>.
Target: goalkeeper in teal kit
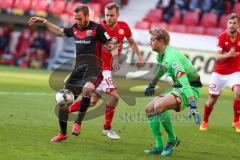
<point>184,93</point>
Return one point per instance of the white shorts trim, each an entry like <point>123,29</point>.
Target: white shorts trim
<point>106,84</point>
<point>220,81</point>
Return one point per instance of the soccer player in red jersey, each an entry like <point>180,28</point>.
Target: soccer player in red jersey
<point>226,71</point>
<point>117,30</point>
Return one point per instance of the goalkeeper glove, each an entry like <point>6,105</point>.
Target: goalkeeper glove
<point>150,90</point>
<point>193,112</point>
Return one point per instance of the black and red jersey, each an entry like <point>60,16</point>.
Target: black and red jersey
<point>88,40</point>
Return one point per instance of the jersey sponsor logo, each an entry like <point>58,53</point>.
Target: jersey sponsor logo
<point>82,42</point>
<point>106,35</point>
<point>121,31</point>
<point>180,74</point>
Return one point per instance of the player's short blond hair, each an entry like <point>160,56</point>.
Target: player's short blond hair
<point>233,16</point>
<point>110,6</point>
<point>160,33</point>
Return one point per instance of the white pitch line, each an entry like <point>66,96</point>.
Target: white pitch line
<point>27,93</point>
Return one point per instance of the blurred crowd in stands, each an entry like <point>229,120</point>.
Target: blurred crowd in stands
<point>204,17</point>
<point>32,47</point>
<point>219,7</point>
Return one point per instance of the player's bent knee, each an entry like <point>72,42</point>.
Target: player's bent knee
<point>89,86</point>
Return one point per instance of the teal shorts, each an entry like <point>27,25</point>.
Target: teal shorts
<point>182,100</point>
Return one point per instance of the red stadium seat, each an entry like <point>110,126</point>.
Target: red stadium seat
<point>154,15</point>
<point>57,7</point>
<point>142,25</point>
<point>103,3</point>
<point>96,7</point>
<point>23,5</point>
<point>196,29</point>
<point>214,31</point>
<point>177,28</point>
<point>159,25</point>
<point>191,18</point>
<point>4,4</point>
<point>70,7</point>
<point>236,8</point>
<point>39,7</point>
<point>223,21</point>
<point>209,20</point>
<point>176,18</point>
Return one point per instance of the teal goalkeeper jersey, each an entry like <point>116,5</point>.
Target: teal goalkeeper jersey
<point>179,68</point>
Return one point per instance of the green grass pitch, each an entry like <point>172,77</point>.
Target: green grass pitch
<point>28,122</point>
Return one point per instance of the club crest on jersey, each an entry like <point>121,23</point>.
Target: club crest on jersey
<point>226,43</point>
<point>120,31</point>
<point>88,32</point>
<point>75,32</point>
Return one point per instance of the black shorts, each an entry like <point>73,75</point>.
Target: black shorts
<point>80,76</point>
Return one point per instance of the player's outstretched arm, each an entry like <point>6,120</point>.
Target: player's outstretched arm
<point>111,46</point>
<point>58,31</point>
<point>140,60</point>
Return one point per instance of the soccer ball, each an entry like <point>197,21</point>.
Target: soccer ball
<point>64,97</point>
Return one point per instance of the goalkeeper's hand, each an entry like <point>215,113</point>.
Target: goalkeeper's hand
<point>150,90</point>
<point>193,112</point>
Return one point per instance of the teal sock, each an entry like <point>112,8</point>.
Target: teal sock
<point>154,122</point>
<point>167,124</point>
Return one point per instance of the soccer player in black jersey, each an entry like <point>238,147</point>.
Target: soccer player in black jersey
<point>88,37</point>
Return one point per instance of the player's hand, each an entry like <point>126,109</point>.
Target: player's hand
<point>140,62</point>
<point>150,90</point>
<point>232,52</point>
<point>36,20</point>
<point>193,112</point>
<point>115,63</point>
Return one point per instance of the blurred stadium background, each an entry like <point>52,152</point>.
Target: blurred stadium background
<point>27,102</point>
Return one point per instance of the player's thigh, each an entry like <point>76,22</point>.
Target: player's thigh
<point>165,103</point>
<point>150,106</point>
<point>107,85</point>
<point>217,83</point>
<point>234,83</point>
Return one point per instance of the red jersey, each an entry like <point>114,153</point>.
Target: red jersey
<point>121,31</point>
<point>229,65</point>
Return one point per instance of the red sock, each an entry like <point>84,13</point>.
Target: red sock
<point>109,113</point>
<point>74,106</point>
<point>207,111</point>
<point>236,110</point>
